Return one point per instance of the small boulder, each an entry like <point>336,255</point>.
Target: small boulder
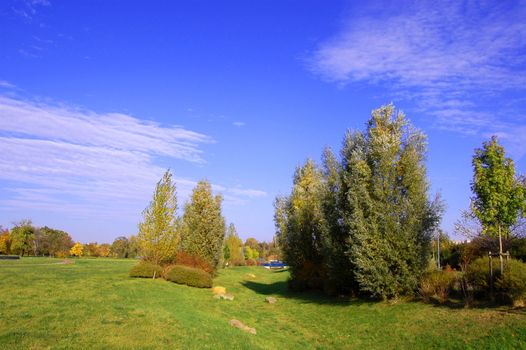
<point>251,275</point>
<point>229,297</point>
<point>226,296</point>
<point>243,327</point>
<point>218,290</point>
<point>271,300</point>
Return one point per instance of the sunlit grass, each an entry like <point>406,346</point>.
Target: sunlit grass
<point>94,304</point>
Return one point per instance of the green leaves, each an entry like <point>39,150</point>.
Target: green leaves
<point>498,194</point>
<point>364,221</point>
<point>158,233</point>
<point>203,225</point>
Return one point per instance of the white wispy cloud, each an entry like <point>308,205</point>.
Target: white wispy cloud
<point>453,58</point>
<point>7,85</point>
<point>238,124</point>
<point>78,162</point>
<point>28,9</point>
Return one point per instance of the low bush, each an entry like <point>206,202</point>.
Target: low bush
<point>511,285</point>
<point>146,269</point>
<point>251,262</point>
<point>190,276</point>
<point>438,284</point>
<point>237,262</point>
<point>186,259</point>
<point>477,275</point>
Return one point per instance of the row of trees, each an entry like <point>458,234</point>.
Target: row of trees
<point>235,252</point>
<point>26,239</point>
<point>164,237</point>
<point>362,222</point>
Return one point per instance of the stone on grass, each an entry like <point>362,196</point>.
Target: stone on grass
<point>229,297</point>
<point>243,327</point>
<point>251,275</point>
<point>219,290</point>
<point>271,300</point>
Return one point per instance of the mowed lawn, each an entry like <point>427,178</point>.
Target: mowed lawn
<point>93,304</point>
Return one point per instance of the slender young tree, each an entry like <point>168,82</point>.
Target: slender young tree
<point>233,245</point>
<point>299,221</point>
<point>498,193</point>
<point>203,225</point>
<point>158,232</point>
<point>392,218</point>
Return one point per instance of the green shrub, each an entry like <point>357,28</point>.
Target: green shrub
<point>190,276</point>
<point>437,283</point>
<point>146,269</point>
<point>512,283</point>
<point>477,275</point>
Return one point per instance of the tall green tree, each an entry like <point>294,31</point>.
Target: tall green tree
<point>203,225</point>
<point>335,236</point>
<point>300,224</point>
<point>392,217</point>
<point>23,237</point>
<point>158,235</point>
<point>498,193</point>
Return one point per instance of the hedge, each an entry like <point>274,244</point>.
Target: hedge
<point>146,269</point>
<point>190,276</point>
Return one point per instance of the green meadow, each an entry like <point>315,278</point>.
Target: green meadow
<point>93,304</point>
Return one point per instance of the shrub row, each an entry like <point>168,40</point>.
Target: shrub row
<point>475,282</point>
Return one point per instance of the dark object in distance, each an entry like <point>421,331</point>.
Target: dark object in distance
<point>9,257</point>
<point>275,264</point>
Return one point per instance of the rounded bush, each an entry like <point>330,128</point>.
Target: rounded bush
<point>437,283</point>
<point>146,269</point>
<point>251,262</point>
<point>190,276</point>
<point>477,274</point>
<point>512,283</point>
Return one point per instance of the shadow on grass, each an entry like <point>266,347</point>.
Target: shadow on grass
<point>308,297</point>
<point>280,289</point>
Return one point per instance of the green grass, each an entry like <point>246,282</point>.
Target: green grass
<point>94,304</point>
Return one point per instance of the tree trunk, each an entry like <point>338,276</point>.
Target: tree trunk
<point>500,253</point>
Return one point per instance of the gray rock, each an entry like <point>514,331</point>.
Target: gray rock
<point>271,300</point>
<point>229,297</point>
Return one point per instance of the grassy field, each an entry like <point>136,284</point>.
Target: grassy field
<point>92,303</point>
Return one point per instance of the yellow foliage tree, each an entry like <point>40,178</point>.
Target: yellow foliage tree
<point>76,250</point>
<point>5,242</point>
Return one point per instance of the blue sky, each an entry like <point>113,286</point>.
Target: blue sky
<point>98,98</point>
